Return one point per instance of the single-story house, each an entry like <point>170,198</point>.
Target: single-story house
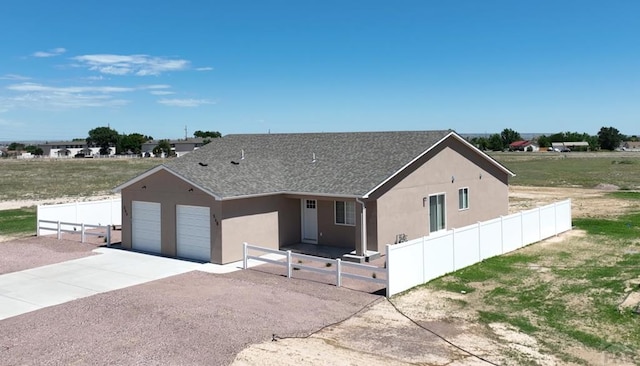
<point>61,149</point>
<point>570,145</point>
<point>178,147</point>
<point>523,145</point>
<point>358,190</point>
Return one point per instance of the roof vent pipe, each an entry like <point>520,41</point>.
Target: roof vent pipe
<point>242,154</point>
<point>314,158</point>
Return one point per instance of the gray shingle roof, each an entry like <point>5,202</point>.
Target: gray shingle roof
<point>347,164</point>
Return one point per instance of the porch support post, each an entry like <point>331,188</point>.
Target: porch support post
<point>363,233</point>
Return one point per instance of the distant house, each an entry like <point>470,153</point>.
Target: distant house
<point>69,149</point>
<point>630,146</point>
<point>178,147</point>
<point>358,190</point>
<point>570,145</point>
<point>523,145</point>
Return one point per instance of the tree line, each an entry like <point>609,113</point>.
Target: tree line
<point>106,137</point>
<point>608,138</point>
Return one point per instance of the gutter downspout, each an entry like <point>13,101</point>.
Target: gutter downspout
<point>363,234</point>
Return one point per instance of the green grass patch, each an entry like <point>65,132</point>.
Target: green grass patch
<point>625,195</point>
<point>624,227</point>
<point>519,322</point>
<point>18,221</point>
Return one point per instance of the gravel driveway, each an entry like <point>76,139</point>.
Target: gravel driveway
<point>191,319</point>
<point>30,252</point>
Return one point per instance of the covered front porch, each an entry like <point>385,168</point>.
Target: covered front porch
<point>333,227</point>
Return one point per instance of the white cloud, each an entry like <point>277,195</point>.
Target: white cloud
<point>32,95</point>
<point>51,53</point>
<point>141,65</point>
<point>204,68</point>
<point>161,92</point>
<point>156,86</point>
<point>33,87</point>
<point>14,77</point>
<point>185,102</point>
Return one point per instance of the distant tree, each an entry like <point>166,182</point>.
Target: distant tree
<point>131,142</point>
<point>34,150</point>
<point>480,142</point>
<point>508,136</point>
<point>203,134</point>
<point>609,138</point>
<point>15,146</point>
<point>163,147</point>
<point>544,141</point>
<point>104,137</point>
<point>78,139</point>
<point>495,143</point>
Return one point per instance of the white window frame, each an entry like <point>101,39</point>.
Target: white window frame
<point>463,198</point>
<point>444,212</point>
<point>347,217</point>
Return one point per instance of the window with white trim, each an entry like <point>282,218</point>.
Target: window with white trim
<point>436,213</point>
<point>463,198</point>
<point>345,212</point>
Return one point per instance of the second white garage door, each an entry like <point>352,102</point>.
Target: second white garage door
<point>193,232</point>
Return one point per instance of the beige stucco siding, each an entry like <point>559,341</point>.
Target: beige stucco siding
<point>403,208</point>
<point>270,221</point>
<point>330,233</point>
<point>169,191</point>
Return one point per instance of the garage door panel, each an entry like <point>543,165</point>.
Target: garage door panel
<point>193,232</point>
<point>146,226</point>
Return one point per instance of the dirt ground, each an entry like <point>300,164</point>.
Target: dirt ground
<point>383,335</point>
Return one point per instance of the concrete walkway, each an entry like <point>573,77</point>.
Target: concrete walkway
<point>36,288</point>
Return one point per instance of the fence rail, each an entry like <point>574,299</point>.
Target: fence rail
<point>338,266</point>
<point>72,227</point>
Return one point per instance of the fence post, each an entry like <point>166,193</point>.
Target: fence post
<point>479,243</point>
<point>338,272</point>
<point>388,252</point>
<point>59,228</point>
<point>289,274</point>
<point>244,255</point>
<point>555,218</point>
<point>453,247</point>
<point>424,265</point>
<point>501,234</point>
<point>82,232</point>
<point>539,223</point>
<point>108,235</point>
<point>37,227</point>
<point>521,230</point>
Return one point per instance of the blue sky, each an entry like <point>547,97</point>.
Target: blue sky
<point>308,66</point>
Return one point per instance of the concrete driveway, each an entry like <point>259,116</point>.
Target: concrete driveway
<point>36,288</point>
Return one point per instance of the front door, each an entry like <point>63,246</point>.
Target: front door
<point>309,221</point>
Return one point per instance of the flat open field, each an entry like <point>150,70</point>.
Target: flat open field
<point>39,179</point>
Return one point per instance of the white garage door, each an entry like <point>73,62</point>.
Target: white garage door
<point>193,232</point>
<point>145,222</point>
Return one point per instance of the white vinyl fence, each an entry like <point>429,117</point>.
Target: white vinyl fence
<point>421,260</point>
<point>99,213</point>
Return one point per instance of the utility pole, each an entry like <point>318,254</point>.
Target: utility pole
<point>185,132</point>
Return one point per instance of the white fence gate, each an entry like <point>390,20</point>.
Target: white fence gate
<point>421,260</point>
<point>100,213</point>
